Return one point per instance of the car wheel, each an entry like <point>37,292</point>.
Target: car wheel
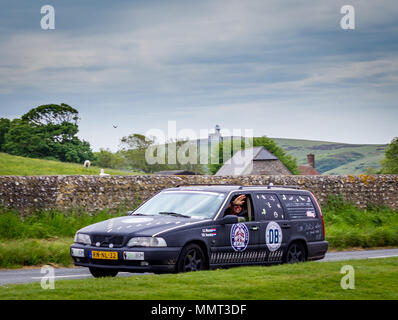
<point>191,259</point>
<point>101,273</point>
<point>295,253</point>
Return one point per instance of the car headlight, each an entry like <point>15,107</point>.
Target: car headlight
<point>82,238</point>
<point>147,242</point>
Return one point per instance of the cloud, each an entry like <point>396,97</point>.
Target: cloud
<point>190,59</point>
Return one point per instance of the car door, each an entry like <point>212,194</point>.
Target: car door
<point>274,227</point>
<point>239,241</point>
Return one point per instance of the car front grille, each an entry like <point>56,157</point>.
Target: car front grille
<point>106,240</point>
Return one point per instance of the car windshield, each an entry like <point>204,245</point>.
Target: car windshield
<point>195,204</point>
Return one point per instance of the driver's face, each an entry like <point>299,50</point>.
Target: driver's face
<point>237,209</point>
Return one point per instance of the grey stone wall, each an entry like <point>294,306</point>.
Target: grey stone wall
<point>93,192</point>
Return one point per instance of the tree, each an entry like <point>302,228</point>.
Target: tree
<point>136,141</point>
<point>4,128</point>
<point>135,147</point>
<point>48,131</point>
<point>107,159</point>
<point>390,163</point>
<point>52,114</point>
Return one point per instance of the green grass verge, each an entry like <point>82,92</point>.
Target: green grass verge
<point>348,226</point>
<point>35,252</point>
<point>20,166</point>
<point>43,237</point>
<point>48,224</point>
<point>374,279</point>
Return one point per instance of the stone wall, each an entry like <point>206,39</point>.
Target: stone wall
<point>93,192</point>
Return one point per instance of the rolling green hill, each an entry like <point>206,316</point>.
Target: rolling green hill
<point>20,166</point>
<point>333,157</point>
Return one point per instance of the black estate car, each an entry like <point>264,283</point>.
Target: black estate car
<point>191,228</point>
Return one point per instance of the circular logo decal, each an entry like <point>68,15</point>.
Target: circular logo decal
<point>273,236</point>
<point>239,237</point>
<point>137,220</point>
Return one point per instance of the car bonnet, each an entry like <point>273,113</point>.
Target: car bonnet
<point>140,225</point>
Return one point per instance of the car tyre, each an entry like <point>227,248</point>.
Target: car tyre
<point>191,259</point>
<point>295,253</point>
<point>101,273</point>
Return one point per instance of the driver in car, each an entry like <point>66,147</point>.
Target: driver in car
<point>237,207</point>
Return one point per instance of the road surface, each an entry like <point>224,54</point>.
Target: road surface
<point>34,275</point>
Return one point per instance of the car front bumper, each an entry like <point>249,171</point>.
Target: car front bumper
<point>128,259</point>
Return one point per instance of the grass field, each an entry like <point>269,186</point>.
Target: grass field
<point>20,166</point>
<point>374,279</point>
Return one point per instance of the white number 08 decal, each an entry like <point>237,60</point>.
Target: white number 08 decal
<point>273,236</point>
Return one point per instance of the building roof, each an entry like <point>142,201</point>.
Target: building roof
<point>308,171</point>
<point>264,154</point>
<point>242,161</point>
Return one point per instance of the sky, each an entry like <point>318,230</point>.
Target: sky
<point>279,68</point>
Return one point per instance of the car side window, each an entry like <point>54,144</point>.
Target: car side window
<point>299,206</point>
<point>269,206</point>
<point>245,213</point>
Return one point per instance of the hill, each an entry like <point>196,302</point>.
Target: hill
<point>20,166</point>
<point>334,157</point>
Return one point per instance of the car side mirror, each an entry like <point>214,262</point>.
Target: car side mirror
<point>229,219</point>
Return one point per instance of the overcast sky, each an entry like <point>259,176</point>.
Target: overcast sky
<point>281,68</point>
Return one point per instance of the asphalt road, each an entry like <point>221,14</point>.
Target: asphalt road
<point>34,275</point>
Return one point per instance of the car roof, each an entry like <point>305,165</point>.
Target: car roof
<point>229,188</point>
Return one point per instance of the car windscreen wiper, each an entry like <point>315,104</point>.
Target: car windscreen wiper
<point>138,214</point>
<point>175,214</point>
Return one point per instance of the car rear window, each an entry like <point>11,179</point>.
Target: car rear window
<point>299,206</point>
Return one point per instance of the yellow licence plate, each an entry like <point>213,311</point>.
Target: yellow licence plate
<point>107,255</point>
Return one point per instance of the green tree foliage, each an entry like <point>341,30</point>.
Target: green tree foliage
<point>49,132</point>
<point>52,114</point>
<point>390,162</point>
<point>4,128</point>
<point>134,149</point>
<point>106,159</point>
<point>184,147</point>
<point>136,141</point>
<point>234,146</point>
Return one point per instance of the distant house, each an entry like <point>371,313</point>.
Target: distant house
<point>309,170</point>
<point>253,161</point>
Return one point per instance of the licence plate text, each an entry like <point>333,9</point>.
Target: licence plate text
<point>107,255</point>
